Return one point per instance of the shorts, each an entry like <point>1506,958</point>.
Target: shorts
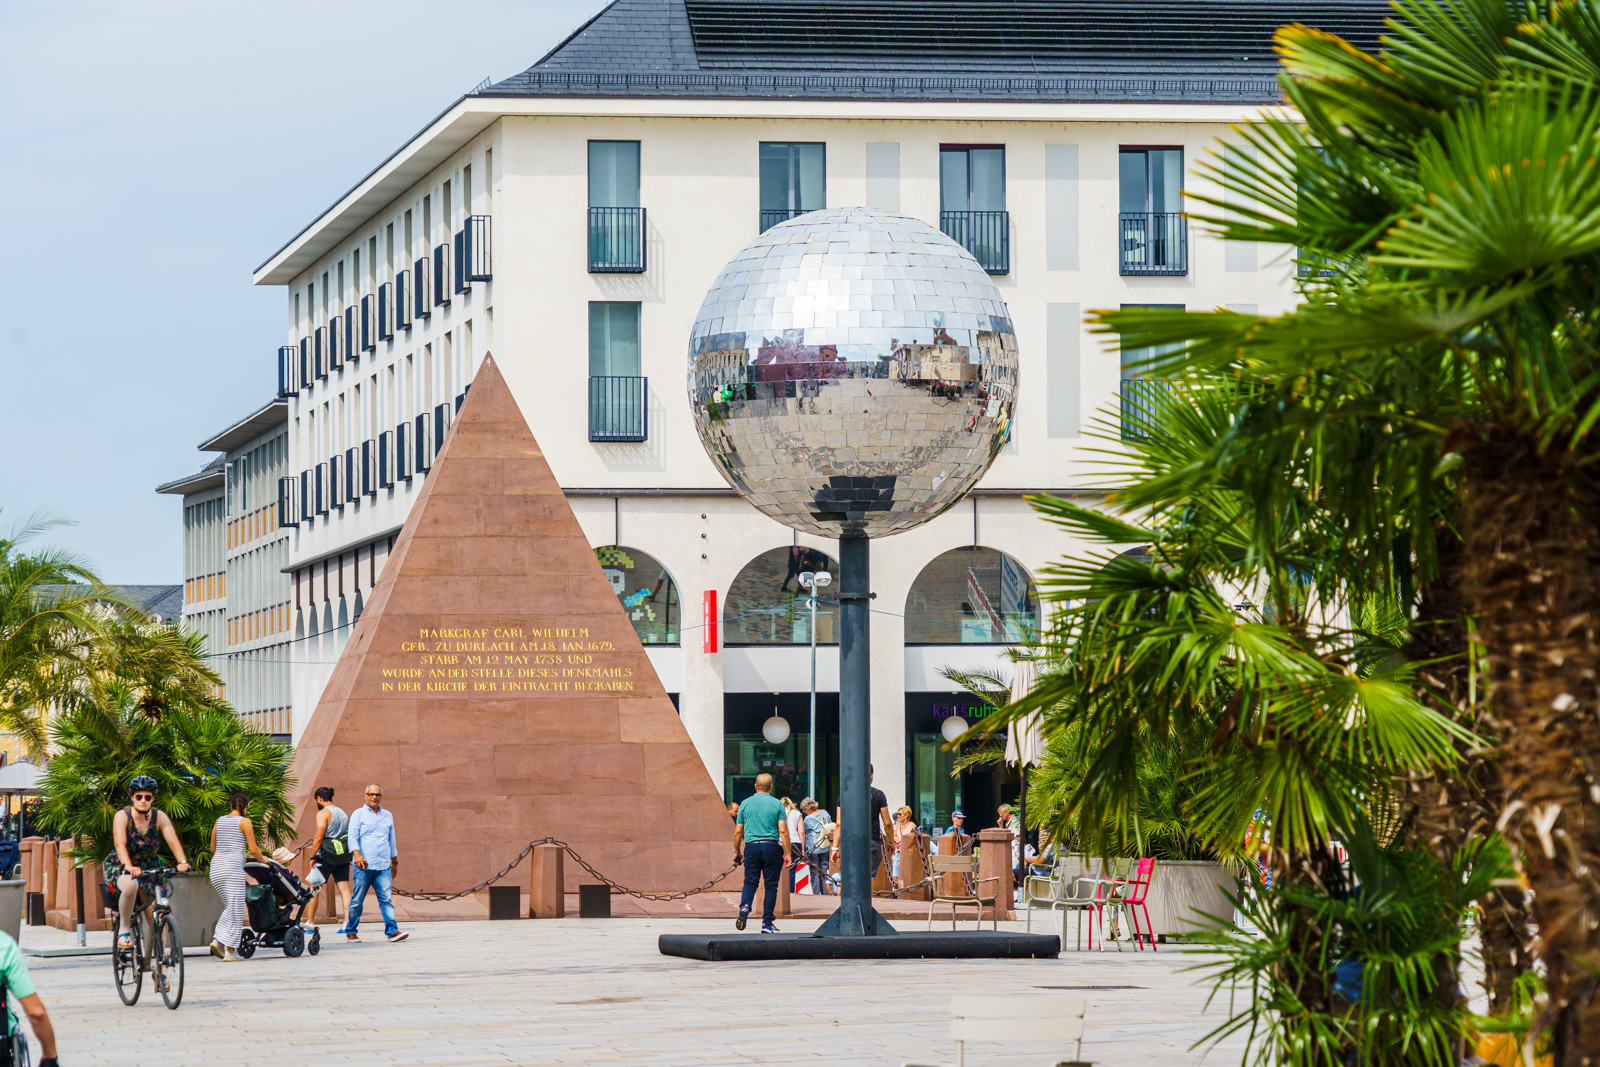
<point>340,873</point>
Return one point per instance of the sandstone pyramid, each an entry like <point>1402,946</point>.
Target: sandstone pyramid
<point>496,690</point>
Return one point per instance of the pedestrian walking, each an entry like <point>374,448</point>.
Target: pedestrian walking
<point>797,837</point>
<point>877,821</point>
<point>761,843</point>
<point>233,837</point>
<point>17,985</point>
<point>376,859</point>
<point>818,843</point>
<point>330,855</point>
<point>905,837</point>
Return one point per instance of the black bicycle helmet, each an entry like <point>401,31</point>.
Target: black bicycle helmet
<point>142,782</point>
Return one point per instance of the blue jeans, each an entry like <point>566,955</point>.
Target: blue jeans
<point>762,858</point>
<point>361,879</point>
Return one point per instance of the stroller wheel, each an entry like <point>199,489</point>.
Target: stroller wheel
<point>294,941</point>
<point>247,945</point>
<point>314,946</point>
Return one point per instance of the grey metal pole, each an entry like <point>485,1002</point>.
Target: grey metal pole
<point>855,915</point>
<point>811,737</point>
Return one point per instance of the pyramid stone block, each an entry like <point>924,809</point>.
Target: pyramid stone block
<point>496,690</point>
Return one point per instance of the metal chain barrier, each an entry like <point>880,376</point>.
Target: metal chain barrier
<point>616,887</point>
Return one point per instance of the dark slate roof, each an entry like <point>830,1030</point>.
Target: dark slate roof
<point>1022,50</point>
<point>163,601</point>
<point>208,477</point>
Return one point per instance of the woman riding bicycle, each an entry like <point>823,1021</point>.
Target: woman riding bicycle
<point>137,833</point>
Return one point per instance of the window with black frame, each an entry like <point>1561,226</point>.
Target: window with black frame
<point>616,219</point>
<point>1153,234</point>
<point>972,203</point>
<point>616,388</point>
<point>793,180</point>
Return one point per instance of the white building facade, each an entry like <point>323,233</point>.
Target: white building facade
<point>235,589</point>
<point>570,219</point>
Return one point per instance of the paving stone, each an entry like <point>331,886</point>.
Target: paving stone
<point>573,991</point>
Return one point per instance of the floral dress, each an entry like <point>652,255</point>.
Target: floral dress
<point>144,849</point>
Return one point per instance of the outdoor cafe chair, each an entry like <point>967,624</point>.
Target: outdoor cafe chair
<point>967,868</point>
<point>1040,1017</point>
<point>1135,891</point>
<point>1087,896</point>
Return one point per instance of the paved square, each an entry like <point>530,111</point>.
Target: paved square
<point>577,991</point>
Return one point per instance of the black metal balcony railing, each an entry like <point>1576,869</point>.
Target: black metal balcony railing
<point>477,254</point>
<point>403,455</point>
<point>617,409</point>
<point>442,285</point>
<point>422,287</point>
<point>770,217</point>
<point>288,370</point>
<point>1141,401</point>
<point>1154,243</point>
<point>616,240</point>
<point>986,234</point>
<point>288,500</point>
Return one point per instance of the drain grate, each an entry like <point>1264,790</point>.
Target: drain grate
<point>1081,988</point>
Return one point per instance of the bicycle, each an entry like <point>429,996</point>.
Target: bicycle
<point>165,962</point>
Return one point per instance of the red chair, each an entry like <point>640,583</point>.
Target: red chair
<point>1135,891</point>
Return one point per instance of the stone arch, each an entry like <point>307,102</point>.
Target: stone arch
<point>766,605</point>
<point>648,592</point>
<point>972,595</point>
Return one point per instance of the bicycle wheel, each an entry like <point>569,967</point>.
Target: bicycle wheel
<point>169,962</point>
<point>125,965</point>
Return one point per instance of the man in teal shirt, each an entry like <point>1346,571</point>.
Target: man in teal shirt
<point>761,843</point>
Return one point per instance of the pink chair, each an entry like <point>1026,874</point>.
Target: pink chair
<point>1135,891</point>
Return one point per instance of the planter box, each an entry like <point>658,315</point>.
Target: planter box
<point>1184,889</point>
<point>196,909</point>
<point>12,893</point>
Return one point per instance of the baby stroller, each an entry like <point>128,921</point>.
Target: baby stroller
<point>276,903</point>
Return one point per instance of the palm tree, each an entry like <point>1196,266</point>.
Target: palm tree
<point>1444,362</point>
<point>50,611</point>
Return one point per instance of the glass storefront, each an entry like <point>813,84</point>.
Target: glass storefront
<point>747,753</point>
<point>647,591</point>
<point>931,791</point>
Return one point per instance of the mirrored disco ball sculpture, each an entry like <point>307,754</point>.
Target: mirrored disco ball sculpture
<point>852,372</point>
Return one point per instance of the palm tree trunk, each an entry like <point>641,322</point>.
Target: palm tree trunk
<point>1446,810</point>
<point>1529,579</point>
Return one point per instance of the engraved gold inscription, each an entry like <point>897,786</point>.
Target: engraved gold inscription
<point>527,658</point>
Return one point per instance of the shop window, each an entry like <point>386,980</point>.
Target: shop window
<point>747,752</point>
<point>767,606</point>
<point>972,596</point>
<point>647,591</point>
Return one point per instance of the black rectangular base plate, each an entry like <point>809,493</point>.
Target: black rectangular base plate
<point>934,945</point>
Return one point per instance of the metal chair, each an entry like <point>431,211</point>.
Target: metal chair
<point>1053,1017</point>
<point>1086,895</point>
<point>967,868</point>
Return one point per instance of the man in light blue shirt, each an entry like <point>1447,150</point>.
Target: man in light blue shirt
<point>373,852</point>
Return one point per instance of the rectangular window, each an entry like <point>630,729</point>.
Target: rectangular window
<point>613,173</point>
<point>972,202</point>
<point>793,180</point>
<point>616,389</point>
<point>1153,237</point>
<point>883,175</point>
<point>1141,391</point>
<point>616,220</point>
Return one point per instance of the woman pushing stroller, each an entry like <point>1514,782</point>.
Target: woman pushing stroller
<point>232,838</point>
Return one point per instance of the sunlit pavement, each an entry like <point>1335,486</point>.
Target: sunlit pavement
<point>597,992</point>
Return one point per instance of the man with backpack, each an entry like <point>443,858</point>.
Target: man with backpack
<point>330,852</point>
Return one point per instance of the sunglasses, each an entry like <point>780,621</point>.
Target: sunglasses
<point>374,794</point>
<point>137,797</point>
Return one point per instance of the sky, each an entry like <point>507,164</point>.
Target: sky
<point>152,154</point>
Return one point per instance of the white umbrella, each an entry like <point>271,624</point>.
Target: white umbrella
<point>1024,738</point>
<point>1024,745</point>
<point>20,778</point>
